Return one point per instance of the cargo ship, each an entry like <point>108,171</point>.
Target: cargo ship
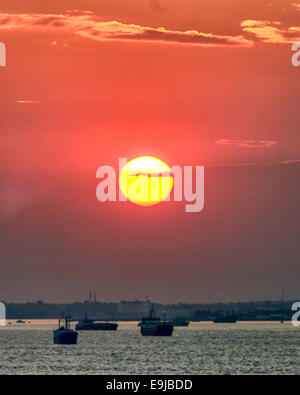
<point>153,326</point>
<point>223,318</point>
<point>91,325</point>
<point>180,322</point>
<point>64,334</point>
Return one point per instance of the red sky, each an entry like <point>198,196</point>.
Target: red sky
<point>191,82</point>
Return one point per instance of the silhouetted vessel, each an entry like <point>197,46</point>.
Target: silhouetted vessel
<point>153,326</point>
<point>223,318</point>
<point>90,325</point>
<point>64,334</point>
<point>179,322</point>
<point>20,322</point>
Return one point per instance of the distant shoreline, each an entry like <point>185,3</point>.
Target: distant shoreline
<point>134,311</point>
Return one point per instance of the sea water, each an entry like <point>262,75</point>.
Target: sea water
<point>201,348</point>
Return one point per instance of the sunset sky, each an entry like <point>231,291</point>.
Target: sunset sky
<point>191,82</point>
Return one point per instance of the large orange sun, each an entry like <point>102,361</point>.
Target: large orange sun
<point>146,180</point>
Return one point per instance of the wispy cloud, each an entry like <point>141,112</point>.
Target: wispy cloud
<point>26,101</point>
<point>247,143</point>
<point>235,164</point>
<point>92,27</point>
<point>271,32</point>
<point>296,5</point>
<point>290,161</point>
<point>254,164</point>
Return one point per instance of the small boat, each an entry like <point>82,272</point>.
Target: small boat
<point>64,334</point>
<point>223,318</point>
<point>153,326</point>
<point>20,322</point>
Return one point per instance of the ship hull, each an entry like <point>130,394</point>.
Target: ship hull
<point>65,338</point>
<point>96,327</point>
<point>159,330</point>
<point>180,323</point>
<point>229,320</point>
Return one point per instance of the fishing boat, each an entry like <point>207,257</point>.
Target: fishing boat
<point>64,334</point>
<point>153,326</point>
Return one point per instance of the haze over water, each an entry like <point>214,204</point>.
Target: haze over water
<point>202,348</point>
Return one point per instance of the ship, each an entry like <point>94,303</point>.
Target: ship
<point>224,318</point>
<point>153,326</point>
<point>180,322</point>
<point>91,325</point>
<point>64,334</point>
<point>20,322</point>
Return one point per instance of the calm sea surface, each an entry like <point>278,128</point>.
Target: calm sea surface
<point>202,348</point>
